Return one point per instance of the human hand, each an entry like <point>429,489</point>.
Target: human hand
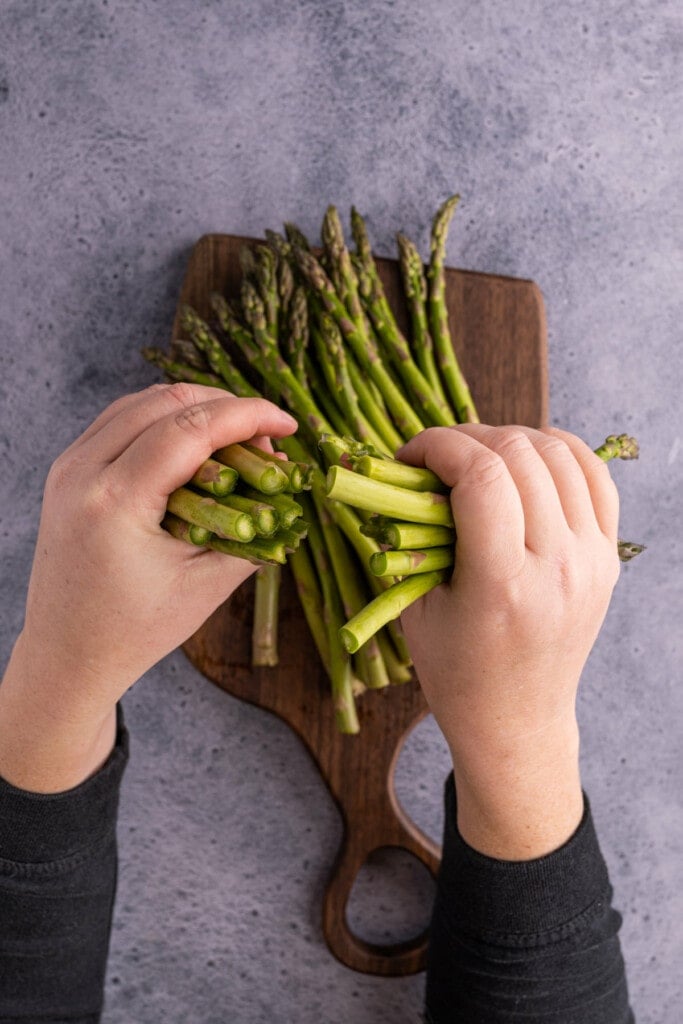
<point>111,593</point>
<point>499,649</point>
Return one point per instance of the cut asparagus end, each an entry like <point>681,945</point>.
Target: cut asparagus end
<point>387,606</point>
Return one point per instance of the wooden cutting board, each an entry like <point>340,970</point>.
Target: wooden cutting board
<point>499,333</point>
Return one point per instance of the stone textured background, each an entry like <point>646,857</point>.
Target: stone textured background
<point>130,127</point>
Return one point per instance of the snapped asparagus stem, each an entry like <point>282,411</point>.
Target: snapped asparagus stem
<point>263,549</point>
<point>402,536</point>
<point>406,563</point>
<point>177,527</point>
<point>204,511</point>
<point>388,606</point>
<point>215,478</point>
<point>266,520</point>
<point>260,473</point>
<point>397,502</point>
<point>266,602</point>
<point>391,471</point>
<point>285,507</point>
<point>295,471</point>
<point>453,377</point>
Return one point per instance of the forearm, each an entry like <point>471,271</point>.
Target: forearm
<point>531,940</point>
<point>519,795</point>
<point>50,741</point>
<point>57,886</point>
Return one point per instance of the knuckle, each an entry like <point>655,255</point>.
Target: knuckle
<point>557,448</point>
<point>486,469</point>
<point>512,443</point>
<point>181,393</point>
<point>194,419</point>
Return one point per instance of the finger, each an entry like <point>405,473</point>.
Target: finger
<point>543,513</point>
<point>119,432</point>
<point>601,487</point>
<point>487,508</point>
<point>168,452</point>
<point>121,405</point>
<point>569,479</point>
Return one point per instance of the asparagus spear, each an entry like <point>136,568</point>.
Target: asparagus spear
<point>362,345</point>
<point>204,511</point>
<point>287,510</point>
<point>260,473</point>
<point>266,601</point>
<point>417,385</point>
<point>401,536</point>
<point>406,563</point>
<point>454,380</point>
<point>266,520</point>
<point>215,478</point>
<point>391,471</point>
<point>188,532</point>
<point>295,471</point>
<point>182,371</point>
<point>310,597</point>
<point>388,606</point>
<point>397,502</point>
<point>415,287</point>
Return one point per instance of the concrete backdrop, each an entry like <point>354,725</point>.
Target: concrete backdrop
<point>127,129</point>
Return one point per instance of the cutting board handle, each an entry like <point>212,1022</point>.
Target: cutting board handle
<point>393,960</point>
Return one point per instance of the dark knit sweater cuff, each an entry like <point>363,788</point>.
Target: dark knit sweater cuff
<point>41,827</point>
<point>518,902</point>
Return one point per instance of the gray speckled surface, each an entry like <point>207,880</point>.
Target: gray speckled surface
<point>130,128</point>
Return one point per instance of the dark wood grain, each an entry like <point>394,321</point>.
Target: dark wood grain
<point>498,328</point>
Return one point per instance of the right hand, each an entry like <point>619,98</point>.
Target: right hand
<point>499,649</point>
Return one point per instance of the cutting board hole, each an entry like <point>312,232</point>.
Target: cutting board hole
<point>391,900</point>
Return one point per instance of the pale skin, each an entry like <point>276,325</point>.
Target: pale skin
<point>499,649</point>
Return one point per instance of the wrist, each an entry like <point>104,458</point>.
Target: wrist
<point>522,798</point>
<point>49,742</point>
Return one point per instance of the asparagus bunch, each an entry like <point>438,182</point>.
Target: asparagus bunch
<point>240,502</point>
<point>412,521</point>
<point>315,333</point>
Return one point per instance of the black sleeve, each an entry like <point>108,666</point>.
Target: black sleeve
<point>57,884</point>
<point>525,941</point>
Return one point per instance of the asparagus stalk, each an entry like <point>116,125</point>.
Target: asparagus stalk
<point>297,335</point>
<point>182,371</point>
<point>397,502</point>
<point>203,511</point>
<point>372,406</point>
<point>263,549</point>
<point>286,509</point>
<point>415,287</point>
<point>295,471</point>
<point>402,536</point>
<point>310,597</point>
<point>262,474</point>
<point>266,519</point>
<point>361,344</point>
<point>406,563</point>
<point>454,380</point>
<point>418,386</point>
<point>275,368</point>
<point>206,340</point>
<point>266,602</point>
<point>197,535</point>
<point>215,478</point>
<point>391,471</point>
<point>388,606</point>
<point>341,674</point>
<point>628,550</point>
